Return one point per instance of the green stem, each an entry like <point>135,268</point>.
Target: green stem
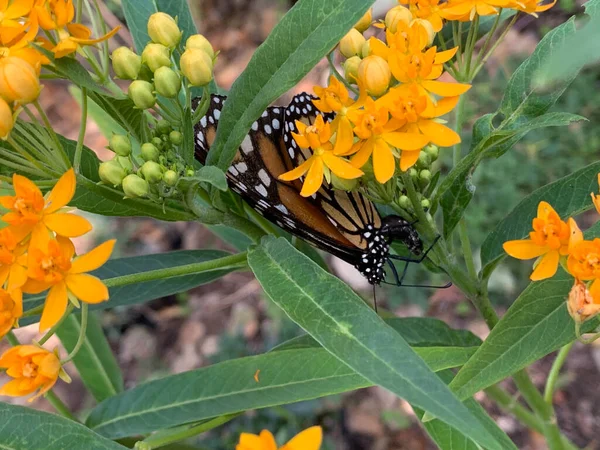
<point>81,338</point>
<point>510,404</point>
<point>12,339</point>
<point>338,75</point>
<point>496,44</point>
<point>60,407</point>
<point>554,372</point>
<point>459,120</point>
<point>234,261</point>
<point>82,128</point>
<point>59,148</point>
<point>488,39</point>
<point>466,248</point>
<point>471,41</point>
<point>169,436</point>
<point>34,311</point>
<point>52,330</point>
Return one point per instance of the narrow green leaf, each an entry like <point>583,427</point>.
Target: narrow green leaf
<point>569,196</point>
<point>231,236</point>
<point>344,325</point>
<point>211,175</point>
<point>72,70</point>
<point>305,34</point>
<point>285,376</point>
<point>26,429</point>
<point>447,438</point>
<point>145,291</point>
<point>95,361</point>
<point>122,111</point>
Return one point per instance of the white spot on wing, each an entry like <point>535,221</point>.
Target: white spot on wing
<point>268,129</point>
<point>276,124</point>
<point>216,100</point>
<point>255,126</point>
<point>232,170</point>
<point>203,121</point>
<point>261,190</point>
<point>217,114</point>
<point>282,208</point>
<point>264,177</point>
<point>241,167</point>
<point>247,145</point>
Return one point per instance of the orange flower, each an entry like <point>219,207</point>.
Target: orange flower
<point>429,10</point>
<point>465,10</point>
<point>549,240</point>
<point>29,212</point>
<point>50,266</point>
<point>596,197</point>
<point>10,18</point>
<point>13,273</point>
<point>10,312</point>
<point>75,36</point>
<point>581,303</point>
<point>32,368</point>
<point>317,137</point>
<point>532,6</point>
<point>309,439</point>
<point>378,134</point>
<point>584,263</point>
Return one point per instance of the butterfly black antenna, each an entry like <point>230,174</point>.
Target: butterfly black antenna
<point>415,260</point>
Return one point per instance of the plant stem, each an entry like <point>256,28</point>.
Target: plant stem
<point>466,248</point>
<point>234,261</point>
<point>459,121</point>
<point>52,330</point>
<point>59,148</point>
<point>169,436</point>
<point>333,70</point>
<point>81,338</point>
<point>82,128</point>
<point>511,405</point>
<point>12,339</point>
<point>554,372</point>
<point>496,44</point>
<point>60,407</point>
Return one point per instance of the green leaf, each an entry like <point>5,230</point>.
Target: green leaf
<point>231,236</point>
<point>211,175</point>
<point>72,70</point>
<point>122,111</point>
<point>306,33</point>
<point>229,387</point>
<point>447,438</point>
<point>95,361</point>
<point>485,25</point>
<point>145,291</point>
<point>105,122</point>
<point>344,325</point>
<point>569,196</point>
<point>27,429</point>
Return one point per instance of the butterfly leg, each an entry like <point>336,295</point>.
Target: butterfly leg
<point>418,260</point>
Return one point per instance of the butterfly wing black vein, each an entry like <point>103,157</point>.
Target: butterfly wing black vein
<point>344,224</point>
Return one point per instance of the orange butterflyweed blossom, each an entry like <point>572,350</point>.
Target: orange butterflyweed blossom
<point>465,10</point>
<point>324,159</point>
<point>379,135</point>
<point>581,304</point>
<point>33,369</point>
<point>11,15</point>
<point>418,116</point>
<point>309,439</point>
<point>549,240</point>
<point>50,266</point>
<point>532,6</point>
<point>10,312</point>
<point>596,197</point>
<point>429,10</point>
<point>29,212</point>
<point>13,261</point>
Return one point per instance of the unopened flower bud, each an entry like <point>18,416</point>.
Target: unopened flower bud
<point>352,43</point>
<point>404,202</point>
<point>152,172</point>
<point>134,186</point>
<point>426,28</point>
<point>396,15</point>
<point>111,172</point>
<point>366,49</point>
<point>190,172</point>
<point>167,82</point>
<point>158,142</point>
<point>125,162</point>
<point>197,66</point>
<point>365,22</point>
<point>149,152</point>
<point>413,173</point>
<point>425,204</point>
<point>163,126</point>
<point>176,137</point>
<point>433,151</point>
<point>19,81</point>
<point>163,29</point>
<point>126,63</point>
<point>170,178</point>
<point>142,94</point>
<point>351,69</point>
<point>7,121</point>
<point>155,56</point>
<point>120,144</point>
<point>374,73</point>
<point>343,184</point>
<point>580,303</point>
<point>424,161</point>
<point>424,177</point>
<point>201,43</point>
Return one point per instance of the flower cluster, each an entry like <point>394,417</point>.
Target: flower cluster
<point>309,439</point>
<point>397,112</point>
<point>25,27</point>
<point>553,242</point>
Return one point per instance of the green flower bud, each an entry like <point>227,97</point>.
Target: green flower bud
<point>176,137</point>
<point>201,43</point>
<point>120,144</point>
<point>425,203</point>
<point>134,186</point>
<point>351,44</point>
<point>351,69</point>
<point>404,202</point>
<point>142,94</point>
<point>343,184</point>
<point>149,152</point>
<point>167,82</point>
<point>156,56</point>
<point>158,142</point>
<point>126,163</point>
<point>152,172</point>
<point>424,177</point>
<point>365,49</point>
<point>163,29</point>
<point>170,178</point>
<point>163,126</point>
<point>111,172</point>
<point>424,161</point>
<point>190,172</point>
<point>126,63</point>
<point>433,151</point>
<point>413,173</point>
<point>197,66</point>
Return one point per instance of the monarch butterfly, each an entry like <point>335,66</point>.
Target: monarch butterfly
<point>345,224</point>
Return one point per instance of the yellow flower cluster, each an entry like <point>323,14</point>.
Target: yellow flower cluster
<point>309,439</point>
<point>398,109</point>
<point>26,25</point>
<point>555,241</point>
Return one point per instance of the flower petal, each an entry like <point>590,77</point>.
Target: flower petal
<point>93,259</point>
<point>406,141</point>
<point>341,167</point>
<point>309,439</point>
<point>408,159</point>
<point>62,193</point>
<point>384,164</point>
<point>523,249</point>
<point>67,224</point>
<point>297,172</point>
<point>313,179</point>
<point>344,137</point>
<point>87,288</point>
<point>547,266</point>
<point>544,210</point>
<point>54,307</point>
<point>439,134</point>
<point>362,156</point>
<point>443,106</point>
<point>445,89</point>
<point>445,56</point>
<point>23,186</point>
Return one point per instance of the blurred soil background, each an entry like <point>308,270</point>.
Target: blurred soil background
<point>231,318</point>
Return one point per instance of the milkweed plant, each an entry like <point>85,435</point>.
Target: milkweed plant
<point>394,102</point>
